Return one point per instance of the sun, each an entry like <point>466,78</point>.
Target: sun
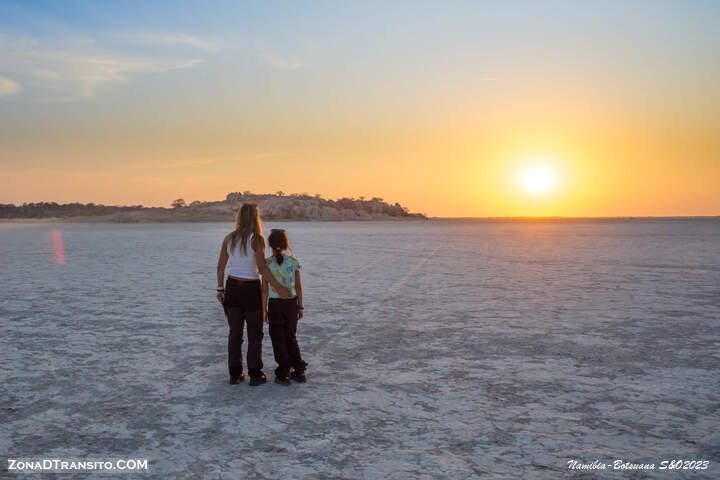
<point>538,179</point>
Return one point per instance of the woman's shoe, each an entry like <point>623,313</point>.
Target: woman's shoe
<point>235,379</point>
<point>298,376</point>
<point>258,380</point>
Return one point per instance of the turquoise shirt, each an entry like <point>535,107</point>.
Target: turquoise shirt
<point>284,274</point>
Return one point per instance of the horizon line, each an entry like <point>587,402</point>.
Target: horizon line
<point>428,217</point>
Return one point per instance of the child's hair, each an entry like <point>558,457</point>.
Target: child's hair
<point>278,241</point>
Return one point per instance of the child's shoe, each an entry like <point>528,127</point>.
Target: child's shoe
<point>298,376</point>
<point>282,380</point>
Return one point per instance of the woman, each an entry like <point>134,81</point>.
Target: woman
<point>243,252</point>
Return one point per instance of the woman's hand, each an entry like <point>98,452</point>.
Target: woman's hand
<point>300,313</point>
<point>284,292</point>
<point>265,317</point>
<point>220,297</point>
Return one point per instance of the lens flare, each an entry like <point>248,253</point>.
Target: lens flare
<point>59,246</point>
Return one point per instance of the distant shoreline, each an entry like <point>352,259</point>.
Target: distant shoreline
<point>273,206</point>
<point>277,206</point>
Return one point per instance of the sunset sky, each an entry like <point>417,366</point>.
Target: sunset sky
<point>451,108</point>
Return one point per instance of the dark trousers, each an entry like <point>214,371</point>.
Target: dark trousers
<point>283,318</point>
<point>243,305</point>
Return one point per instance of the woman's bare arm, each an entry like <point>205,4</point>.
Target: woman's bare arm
<point>222,263</point>
<point>258,245</point>
<point>298,290</point>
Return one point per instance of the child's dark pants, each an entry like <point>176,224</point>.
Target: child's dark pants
<point>283,318</point>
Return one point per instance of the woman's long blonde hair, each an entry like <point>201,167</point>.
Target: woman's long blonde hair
<point>247,221</point>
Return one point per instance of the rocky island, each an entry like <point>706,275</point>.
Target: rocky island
<point>274,206</point>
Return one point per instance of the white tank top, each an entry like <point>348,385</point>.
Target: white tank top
<point>239,265</point>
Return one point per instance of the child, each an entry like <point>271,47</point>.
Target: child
<point>283,313</point>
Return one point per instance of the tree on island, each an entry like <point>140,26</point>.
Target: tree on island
<point>179,203</point>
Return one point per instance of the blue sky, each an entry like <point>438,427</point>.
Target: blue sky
<point>398,38</point>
